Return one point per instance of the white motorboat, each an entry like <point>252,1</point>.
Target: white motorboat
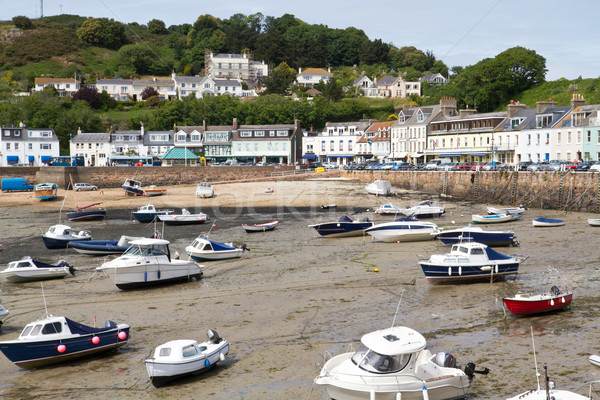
<point>185,218</point>
<point>467,262</point>
<point>203,249</point>
<point>388,208</point>
<point>148,262</point>
<point>178,358</point>
<point>149,213</point>
<point>403,230</point>
<point>379,188</point>
<point>59,236</point>
<point>506,210</point>
<point>391,364</point>
<point>547,222</point>
<point>28,269</point>
<point>494,218</point>
<point>594,221</point>
<point>425,209</point>
<point>205,190</point>
<point>133,187</point>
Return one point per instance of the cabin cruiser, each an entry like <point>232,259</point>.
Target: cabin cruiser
<point>424,209</point>
<point>471,233</point>
<point>391,364</point>
<point>148,262</point>
<point>380,188</point>
<point>59,236</point>
<point>28,269</point>
<point>204,249</point>
<point>204,190</point>
<point>467,262</point>
<point>344,227</point>
<point>149,213</point>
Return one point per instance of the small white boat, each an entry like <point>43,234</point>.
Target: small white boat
<point>505,210</point>
<point>59,236</point>
<point>149,213</point>
<point>549,392</point>
<point>28,269</point>
<point>147,263</point>
<point>595,360</point>
<point>403,230</point>
<point>185,218</point>
<point>425,209</point>
<point>391,364</point>
<point>547,222</point>
<point>263,227</point>
<point>204,190</point>
<point>203,249</point>
<point>178,358</point>
<point>153,190</point>
<point>495,218</point>
<point>133,187</point>
<point>379,188</point>
<point>594,221</point>
<point>388,208</point>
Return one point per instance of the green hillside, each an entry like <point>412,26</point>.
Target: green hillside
<point>561,91</point>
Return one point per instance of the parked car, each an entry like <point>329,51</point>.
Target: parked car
<point>462,166</point>
<point>475,166</point>
<point>330,165</point>
<point>84,186</point>
<point>595,167</point>
<point>401,166</point>
<point>584,166</point>
<point>522,166</point>
<point>537,165</point>
<point>443,166</point>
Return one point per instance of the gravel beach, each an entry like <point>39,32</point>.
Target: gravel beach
<point>295,296</point>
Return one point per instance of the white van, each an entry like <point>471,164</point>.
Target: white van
<point>432,164</point>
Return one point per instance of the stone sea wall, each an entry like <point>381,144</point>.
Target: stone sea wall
<point>551,190</point>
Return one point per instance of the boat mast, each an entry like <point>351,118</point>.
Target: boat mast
<point>397,308</point>
<point>537,374</point>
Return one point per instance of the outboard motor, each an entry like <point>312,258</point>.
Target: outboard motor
<point>244,247</point>
<point>471,371</point>
<point>445,360</point>
<point>213,336</point>
<point>555,290</point>
<point>63,263</point>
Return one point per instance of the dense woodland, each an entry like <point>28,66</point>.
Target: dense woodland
<point>91,48</point>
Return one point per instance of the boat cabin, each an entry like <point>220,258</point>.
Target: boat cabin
<point>473,253</point>
<point>148,248</point>
<point>389,350</point>
<point>48,328</point>
<point>132,183</point>
<point>64,230</point>
<point>178,350</point>
<point>205,245</point>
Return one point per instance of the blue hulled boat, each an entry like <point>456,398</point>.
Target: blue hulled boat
<point>83,214</point>
<point>469,262</point>
<point>149,213</point>
<point>344,227</point>
<point>56,339</point>
<point>133,187</point>
<point>475,234</point>
<point>103,247</point>
<point>58,236</point>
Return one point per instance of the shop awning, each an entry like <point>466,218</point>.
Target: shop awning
<point>46,158</point>
<point>309,157</point>
<point>367,156</point>
<point>12,158</point>
<point>31,158</point>
<point>342,156</point>
<point>400,155</point>
<point>480,153</point>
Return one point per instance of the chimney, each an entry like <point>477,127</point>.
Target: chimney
<point>464,113</point>
<point>78,130</point>
<point>329,68</point>
<point>540,106</point>
<point>204,125</point>
<point>513,107</point>
<point>448,106</point>
<point>311,128</point>
<point>299,70</point>
<point>235,124</point>
<point>577,101</point>
<point>142,128</point>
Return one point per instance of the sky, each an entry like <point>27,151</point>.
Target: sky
<point>460,33</point>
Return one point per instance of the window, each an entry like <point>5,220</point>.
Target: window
<point>569,137</point>
<point>350,145</point>
<point>45,146</point>
<point>322,145</point>
<point>7,146</point>
<point>30,146</point>
<point>272,133</point>
<point>558,137</point>
<point>282,133</point>
<point>543,121</point>
<point>259,133</point>
<point>54,327</point>
<point>588,137</point>
<point>341,145</point>
<point>332,146</point>
<point>196,137</point>
<point>245,134</point>
<point>189,351</point>
<point>578,137</point>
<point>16,146</point>
<point>255,146</point>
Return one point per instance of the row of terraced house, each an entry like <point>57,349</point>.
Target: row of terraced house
<point>421,133</point>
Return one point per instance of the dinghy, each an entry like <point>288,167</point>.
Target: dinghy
<point>547,222</point>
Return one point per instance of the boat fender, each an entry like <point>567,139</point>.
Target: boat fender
<point>552,302</point>
<point>158,274</point>
<point>449,271</point>
<point>221,356</point>
<point>145,276</point>
<point>207,363</point>
<point>445,360</point>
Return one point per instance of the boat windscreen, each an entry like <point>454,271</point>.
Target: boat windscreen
<point>345,218</point>
<point>371,361</point>
<point>40,264</point>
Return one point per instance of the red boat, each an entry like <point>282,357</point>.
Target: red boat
<point>523,304</point>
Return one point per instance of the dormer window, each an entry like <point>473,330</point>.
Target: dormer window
<point>543,121</point>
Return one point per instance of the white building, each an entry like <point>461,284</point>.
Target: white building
<point>118,89</point>
<point>65,87</point>
<point>23,146</point>
<point>234,66</point>
<point>311,76</point>
<point>338,140</point>
<point>93,146</point>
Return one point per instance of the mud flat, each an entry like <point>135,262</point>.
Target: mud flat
<point>295,296</point>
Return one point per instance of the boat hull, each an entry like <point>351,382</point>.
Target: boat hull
<point>527,307</point>
<point>215,255</point>
<point>40,274</point>
<point>594,221</point>
<point>493,219</point>
<point>162,373</point>
<point>342,229</point>
<point>34,354</point>
<point>57,243</point>
<point>402,233</point>
<point>97,247</point>
<point>269,226</point>
<point>130,191</point>
<point>547,223</point>
<point>86,215</point>
<point>145,217</point>
<point>492,239</point>
<point>137,276</point>
<point>440,273</point>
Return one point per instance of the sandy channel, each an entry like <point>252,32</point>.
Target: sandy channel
<point>295,296</point>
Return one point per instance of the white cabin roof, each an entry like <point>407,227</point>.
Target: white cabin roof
<point>396,340</point>
<point>149,242</point>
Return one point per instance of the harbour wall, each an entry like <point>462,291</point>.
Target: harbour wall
<point>568,191</point>
<point>550,190</point>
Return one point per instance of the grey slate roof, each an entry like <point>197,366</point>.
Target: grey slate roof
<point>92,137</point>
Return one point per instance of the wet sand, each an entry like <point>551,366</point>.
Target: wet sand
<point>295,296</point>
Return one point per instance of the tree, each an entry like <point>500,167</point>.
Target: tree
<point>89,95</point>
<point>22,22</point>
<point>149,92</point>
<point>373,52</point>
<point>332,90</point>
<point>157,27</point>
<point>142,59</point>
<point>102,32</point>
<point>279,80</point>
